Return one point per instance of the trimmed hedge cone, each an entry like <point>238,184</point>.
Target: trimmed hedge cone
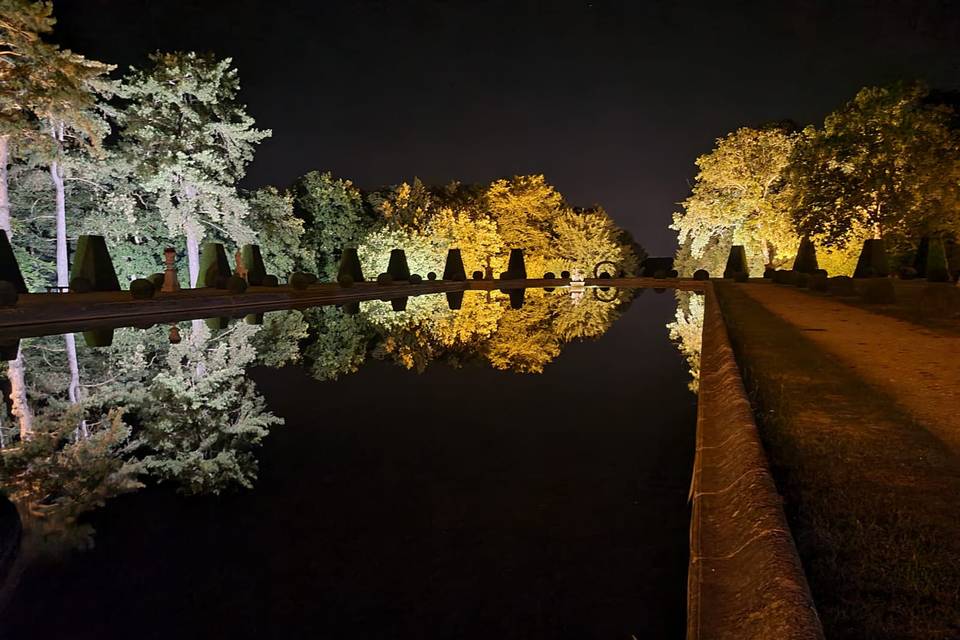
<point>214,267</point>
<point>806,260</point>
<point>931,260</point>
<point>873,262</point>
<point>9,267</point>
<point>516,267</point>
<point>398,268</point>
<point>350,266</point>
<point>253,261</point>
<point>453,268</point>
<point>91,262</point>
<point>736,262</point>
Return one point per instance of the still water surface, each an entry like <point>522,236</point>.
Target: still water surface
<point>494,471</point>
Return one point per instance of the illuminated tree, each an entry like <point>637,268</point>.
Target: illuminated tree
<point>334,217</point>
<point>203,417</point>
<point>738,191</point>
<point>585,238</point>
<point>280,233</point>
<point>277,343</point>
<point>686,332</point>
<point>337,344</point>
<point>885,163</point>
<point>24,59</point>
<point>190,140</point>
<point>525,209</point>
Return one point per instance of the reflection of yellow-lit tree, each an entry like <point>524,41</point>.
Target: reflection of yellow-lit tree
<point>687,332</point>
<point>475,322</point>
<point>524,341</point>
<point>584,318</point>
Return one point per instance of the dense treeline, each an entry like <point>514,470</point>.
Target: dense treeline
<point>154,157</point>
<point>884,165</point>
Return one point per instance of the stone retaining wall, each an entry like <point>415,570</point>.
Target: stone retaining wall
<point>745,578</point>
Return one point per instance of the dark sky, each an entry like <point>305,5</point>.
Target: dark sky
<point>611,100</point>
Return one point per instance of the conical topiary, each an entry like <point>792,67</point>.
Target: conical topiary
<point>92,262</point>
<point>873,262</point>
<point>253,261</point>
<point>9,267</point>
<point>806,260</point>
<point>350,265</point>
<point>453,269</point>
<point>736,262</point>
<point>214,267</point>
<point>516,268</point>
<point>931,260</point>
<point>398,268</point>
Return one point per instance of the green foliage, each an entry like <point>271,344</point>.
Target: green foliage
<point>333,215</point>
<point>281,235</point>
<point>204,417</point>
<point>887,161</point>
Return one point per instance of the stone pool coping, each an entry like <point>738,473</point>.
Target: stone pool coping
<point>46,314</point>
<point>745,578</point>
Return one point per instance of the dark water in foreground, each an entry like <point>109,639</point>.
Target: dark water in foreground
<point>456,503</point>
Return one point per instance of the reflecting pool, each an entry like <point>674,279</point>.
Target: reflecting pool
<point>472,465</point>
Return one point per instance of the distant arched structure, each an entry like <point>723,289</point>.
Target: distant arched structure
<point>615,269</point>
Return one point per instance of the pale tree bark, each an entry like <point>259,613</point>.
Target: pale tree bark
<point>56,174</point>
<point>4,184</point>
<point>73,390</point>
<point>193,254</point>
<point>18,396</point>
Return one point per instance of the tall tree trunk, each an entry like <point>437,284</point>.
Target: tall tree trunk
<point>73,390</point>
<point>193,254</point>
<point>18,396</point>
<point>4,186</point>
<point>56,174</point>
<point>15,368</point>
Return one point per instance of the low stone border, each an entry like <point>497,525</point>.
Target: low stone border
<point>745,579</point>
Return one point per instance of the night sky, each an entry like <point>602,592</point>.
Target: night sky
<point>612,101</point>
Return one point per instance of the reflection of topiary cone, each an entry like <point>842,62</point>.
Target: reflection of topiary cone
<point>399,304</point>
<point>453,269</point>
<point>736,262</point>
<point>351,308</point>
<point>217,324</point>
<point>806,261</point>
<point>253,262</point>
<point>350,265</point>
<point>9,349</point>
<point>214,267</point>
<point>398,268</point>
<point>873,260</point>
<point>454,300</point>
<point>253,318</point>
<point>92,262</point>
<point>516,298</point>
<point>98,337</point>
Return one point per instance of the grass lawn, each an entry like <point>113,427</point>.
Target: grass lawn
<point>872,497</point>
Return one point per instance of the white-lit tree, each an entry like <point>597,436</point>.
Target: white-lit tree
<point>190,140</point>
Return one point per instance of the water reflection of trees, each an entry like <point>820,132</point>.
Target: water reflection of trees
<point>687,330</point>
<point>183,412</point>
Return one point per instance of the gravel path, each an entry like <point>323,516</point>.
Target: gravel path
<point>917,367</point>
